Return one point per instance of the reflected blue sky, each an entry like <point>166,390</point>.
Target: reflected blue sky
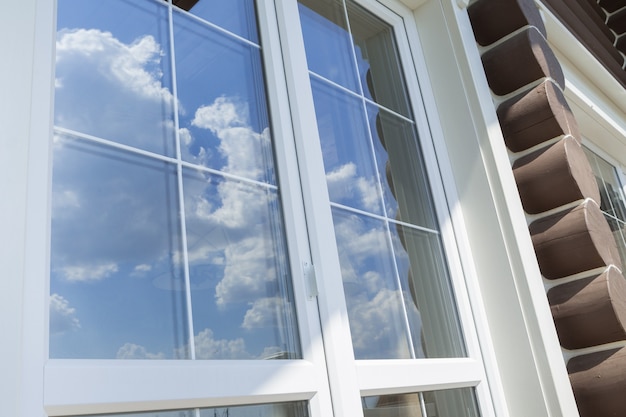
<point>119,248</point>
<point>118,254</point>
<point>398,294</point>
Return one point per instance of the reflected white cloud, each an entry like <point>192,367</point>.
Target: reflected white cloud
<point>141,270</point>
<point>115,214</point>
<point>247,272</point>
<point>376,304</point>
<point>132,66</point>
<point>372,333</point>
<point>358,244</point>
<point>224,114</point>
<point>114,90</point>
<point>208,347</point>
<point>133,351</point>
<point>62,316</point>
<point>241,207</point>
<point>95,272</point>
<point>237,239</point>
<point>340,176</point>
<point>263,313</point>
<point>242,147</point>
<point>344,183</point>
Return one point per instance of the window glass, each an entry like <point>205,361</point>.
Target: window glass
<point>377,57</point>
<point>113,73</point>
<point>221,108</point>
<point>351,173</point>
<point>116,285</point>
<point>167,231</point>
<point>327,41</point>
<point>295,409</point>
<point>170,226</point>
<point>612,200</point>
<point>237,16</point>
<point>393,268</point>
<point>238,273</point>
<point>445,403</point>
<point>374,297</point>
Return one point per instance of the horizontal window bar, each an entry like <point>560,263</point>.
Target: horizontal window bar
<point>76,387</point>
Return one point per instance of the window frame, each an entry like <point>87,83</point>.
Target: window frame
<point>379,377</point>
<point>472,374</point>
<point>618,169</point>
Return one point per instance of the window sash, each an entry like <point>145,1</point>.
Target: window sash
<point>86,386</point>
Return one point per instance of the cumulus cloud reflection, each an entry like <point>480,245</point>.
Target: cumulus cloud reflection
<point>118,247</point>
<point>62,316</point>
<point>377,305</point>
<point>235,235</point>
<point>129,98</point>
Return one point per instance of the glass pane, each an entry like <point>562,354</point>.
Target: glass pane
<point>292,409</point>
<point>451,403</point>
<point>374,298</point>
<point>373,164</point>
<point>176,413</point>
<point>430,301</point>
<point>236,16</point>
<point>619,233</point>
<point>405,173</point>
<point>327,41</point>
<point>350,167</point>
<point>445,403</point>
<point>119,257</point>
<point>223,113</point>
<point>377,57</point>
<point>116,280</point>
<point>612,197</point>
<point>113,75</point>
<point>239,273</point>
<point>612,193</point>
<point>396,405</point>
<point>298,409</point>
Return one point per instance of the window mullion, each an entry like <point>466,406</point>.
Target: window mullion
<point>331,300</point>
<point>179,180</point>
<point>292,204</point>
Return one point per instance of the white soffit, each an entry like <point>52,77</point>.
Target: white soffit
<point>575,52</point>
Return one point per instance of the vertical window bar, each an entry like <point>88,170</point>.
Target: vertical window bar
<point>181,199</point>
<point>352,48</point>
<point>423,405</point>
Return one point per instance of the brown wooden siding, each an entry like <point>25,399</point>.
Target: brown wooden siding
<point>572,239</point>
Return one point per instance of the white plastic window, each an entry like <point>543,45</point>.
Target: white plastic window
<point>245,218</point>
<point>612,200</point>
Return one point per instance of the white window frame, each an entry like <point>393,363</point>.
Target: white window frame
<point>67,380</point>
<point>619,169</point>
<point>388,376</point>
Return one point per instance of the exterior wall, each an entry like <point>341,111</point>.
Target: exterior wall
<point>575,248</point>
<point>513,296</point>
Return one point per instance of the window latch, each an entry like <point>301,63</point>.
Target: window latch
<point>310,280</point>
